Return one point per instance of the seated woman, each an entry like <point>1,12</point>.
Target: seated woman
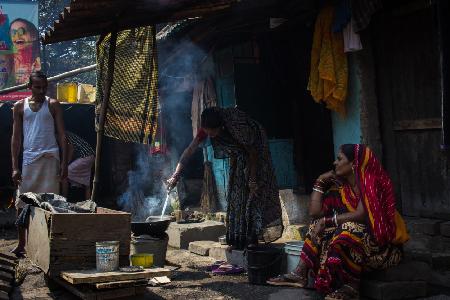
<point>356,226</point>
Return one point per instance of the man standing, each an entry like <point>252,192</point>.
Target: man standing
<point>39,119</point>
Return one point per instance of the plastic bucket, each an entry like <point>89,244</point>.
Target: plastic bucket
<point>107,256</point>
<point>292,250</point>
<point>148,244</point>
<point>67,92</point>
<point>144,260</point>
<point>263,263</point>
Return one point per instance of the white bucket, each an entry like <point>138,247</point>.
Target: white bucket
<point>292,250</point>
<point>107,256</point>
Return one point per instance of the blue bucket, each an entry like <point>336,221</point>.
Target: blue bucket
<point>292,250</point>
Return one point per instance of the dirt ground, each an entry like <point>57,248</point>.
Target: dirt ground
<point>191,281</point>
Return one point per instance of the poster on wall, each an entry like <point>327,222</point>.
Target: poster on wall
<point>19,45</point>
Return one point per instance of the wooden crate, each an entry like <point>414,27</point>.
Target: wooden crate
<point>61,242</point>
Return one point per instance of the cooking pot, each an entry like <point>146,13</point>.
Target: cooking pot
<point>153,225</point>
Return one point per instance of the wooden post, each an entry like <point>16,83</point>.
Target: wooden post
<point>103,110</point>
<point>443,9</point>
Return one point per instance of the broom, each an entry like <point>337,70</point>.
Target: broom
<point>209,193</point>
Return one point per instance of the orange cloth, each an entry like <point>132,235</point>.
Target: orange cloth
<point>328,79</point>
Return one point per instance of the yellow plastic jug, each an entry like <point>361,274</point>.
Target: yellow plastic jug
<point>67,92</point>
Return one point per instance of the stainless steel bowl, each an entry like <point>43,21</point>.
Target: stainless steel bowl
<point>223,240</point>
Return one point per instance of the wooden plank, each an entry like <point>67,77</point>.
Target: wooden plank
<point>92,276</point>
<point>7,262</point>
<point>4,295</point>
<point>77,292</point>
<point>120,284</point>
<point>87,293</point>
<point>6,276</point>
<point>8,255</point>
<point>5,286</point>
<point>420,124</point>
<point>7,269</point>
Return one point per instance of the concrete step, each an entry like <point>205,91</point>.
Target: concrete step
<point>424,242</point>
<point>417,226</point>
<point>180,235</point>
<point>440,279</point>
<point>394,290</point>
<point>441,261</point>
<point>405,271</point>
<point>445,229</point>
<point>202,247</point>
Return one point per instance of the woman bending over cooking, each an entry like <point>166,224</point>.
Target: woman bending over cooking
<point>253,205</point>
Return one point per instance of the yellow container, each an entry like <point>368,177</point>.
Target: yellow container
<point>86,93</point>
<point>144,260</point>
<point>67,92</point>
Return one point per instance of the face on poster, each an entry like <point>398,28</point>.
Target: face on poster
<point>19,45</point>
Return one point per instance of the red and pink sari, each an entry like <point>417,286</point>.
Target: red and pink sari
<point>342,253</point>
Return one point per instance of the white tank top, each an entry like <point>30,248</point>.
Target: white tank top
<point>39,135</point>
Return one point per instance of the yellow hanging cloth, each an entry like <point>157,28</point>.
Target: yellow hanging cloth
<point>328,79</point>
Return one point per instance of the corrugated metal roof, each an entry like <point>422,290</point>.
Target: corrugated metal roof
<point>95,17</point>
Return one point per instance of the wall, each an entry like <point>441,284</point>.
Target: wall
<point>348,129</point>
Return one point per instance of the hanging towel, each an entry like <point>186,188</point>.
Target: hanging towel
<point>328,78</point>
<point>352,41</point>
<point>362,11</point>
<point>204,96</point>
<point>343,14</point>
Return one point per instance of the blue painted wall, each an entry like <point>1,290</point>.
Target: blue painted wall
<point>282,153</point>
<point>348,129</point>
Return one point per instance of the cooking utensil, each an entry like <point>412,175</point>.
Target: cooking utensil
<point>154,226</point>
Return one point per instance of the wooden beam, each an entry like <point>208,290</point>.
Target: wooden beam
<point>103,111</point>
<point>53,78</point>
<point>420,124</point>
<point>92,276</point>
<point>76,23</point>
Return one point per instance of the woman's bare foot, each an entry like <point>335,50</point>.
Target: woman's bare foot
<point>297,278</point>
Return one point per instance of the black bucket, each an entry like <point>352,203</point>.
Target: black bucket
<point>263,263</point>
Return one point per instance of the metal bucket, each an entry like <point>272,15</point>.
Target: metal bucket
<point>107,256</point>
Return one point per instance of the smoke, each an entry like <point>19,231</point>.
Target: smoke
<point>146,192</point>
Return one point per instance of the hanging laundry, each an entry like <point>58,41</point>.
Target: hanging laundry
<point>342,16</point>
<point>352,41</point>
<point>362,11</point>
<point>203,96</point>
<point>328,78</point>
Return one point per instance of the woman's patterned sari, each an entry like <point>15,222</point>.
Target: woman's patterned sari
<point>249,219</point>
<point>341,253</point>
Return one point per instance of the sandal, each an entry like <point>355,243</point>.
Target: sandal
<point>346,292</point>
<point>215,265</point>
<point>227,269</point>
<point>291,279</point>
